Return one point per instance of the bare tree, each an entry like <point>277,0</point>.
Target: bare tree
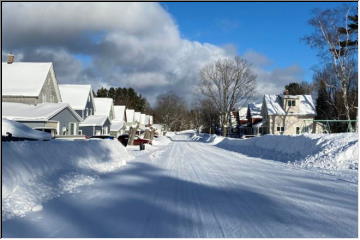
<point>226,83</point>
<point>333,36</point>
<point>170,110</point>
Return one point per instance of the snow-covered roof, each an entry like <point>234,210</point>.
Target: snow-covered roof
<point>21,130</point>
<point>75,94</point>
<point>40,112</point>
<point>24,78</point>
<point>255,109</point>
<point>157,126</point>
<point>307,105</point>
<point>119,112</point>
<point>243,113</point>
<point>129,115</point>
<point>116,125</point>
<point>274,105</point>
<point>137,116</point>
<point>103,106</point>
<point>142,118</point>
<point>94,120</point>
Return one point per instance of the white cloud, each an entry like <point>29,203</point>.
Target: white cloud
<point>130,45</point>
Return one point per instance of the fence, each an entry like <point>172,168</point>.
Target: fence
<point>331,126</point>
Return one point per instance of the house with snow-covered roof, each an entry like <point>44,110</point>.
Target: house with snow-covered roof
<point>55,118</point>
<point>288,114</point>
<point>137,117</point>
<point>80,97</point>
<point>29,82</point>
<point>118,124</point>
<point>105,107</point>
<point>129,115</point>
<point>95,125</point>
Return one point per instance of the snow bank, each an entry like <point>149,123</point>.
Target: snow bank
<point>334,152</point>
<point>21,130</point>
<point>36,171</point>
<point>161,140</point>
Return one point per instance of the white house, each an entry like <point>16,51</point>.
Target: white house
<point>137,117</point>
<point>118,124</point>
<point>129,113</point>
<point>80,97</point>
<point>104,107</point>
<point>95,125</point>
<point>289,114</point>
<point>29,82</point>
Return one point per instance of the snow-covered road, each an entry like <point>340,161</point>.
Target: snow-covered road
<point>193,189</point>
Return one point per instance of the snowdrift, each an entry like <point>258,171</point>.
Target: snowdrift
<point>335,152</point>
<point>161,140</point>
<point>36,171</point>
<point>22,131</point>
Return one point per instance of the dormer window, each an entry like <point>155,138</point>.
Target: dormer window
<point>291,103</point>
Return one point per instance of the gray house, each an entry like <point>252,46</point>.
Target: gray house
<point>80,97</point>
<point>29,82</point>
<point>55,118</point>
<point>95,125</point>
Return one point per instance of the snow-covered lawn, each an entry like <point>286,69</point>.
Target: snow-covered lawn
<point>188,188</point>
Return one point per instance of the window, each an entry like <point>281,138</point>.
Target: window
<point>291,103</point>
<point>72,128</point>
<point>80,132</point>
<point>297,130</point>
<point>280,129</point>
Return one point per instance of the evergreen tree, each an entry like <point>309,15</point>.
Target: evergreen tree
<point>324,109</point>
<point>298,88</point>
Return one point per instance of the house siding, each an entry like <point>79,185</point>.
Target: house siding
<point>64,118</point>
<point>91,130</point>
<point>18,99</point>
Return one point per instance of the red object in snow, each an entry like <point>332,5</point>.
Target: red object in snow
<point>138,141</point>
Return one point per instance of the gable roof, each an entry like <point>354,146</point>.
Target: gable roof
<point>255,109</point>
<point>129,115</point>
<point>103,106</point>
<point>273,105</point>
<point>142,118</point>
<point>119,112</point>
<point>116,125</point>
<point>40,112</point>
<point>137,116</point>
<point>26,78</point>
<point>94,120</point>
<point>75,94</point>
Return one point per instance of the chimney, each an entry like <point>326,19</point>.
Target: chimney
<point>10,58</point>
<point>286,92</point>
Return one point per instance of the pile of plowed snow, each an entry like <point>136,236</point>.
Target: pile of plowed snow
<point>21,131</point>
<point>161,140</point>
<point>36,171</point>
<point>335,152</point>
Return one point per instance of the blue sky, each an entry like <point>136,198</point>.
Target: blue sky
<point>271,29</point>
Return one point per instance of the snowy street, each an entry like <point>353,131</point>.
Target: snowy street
<point>193,189</point>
